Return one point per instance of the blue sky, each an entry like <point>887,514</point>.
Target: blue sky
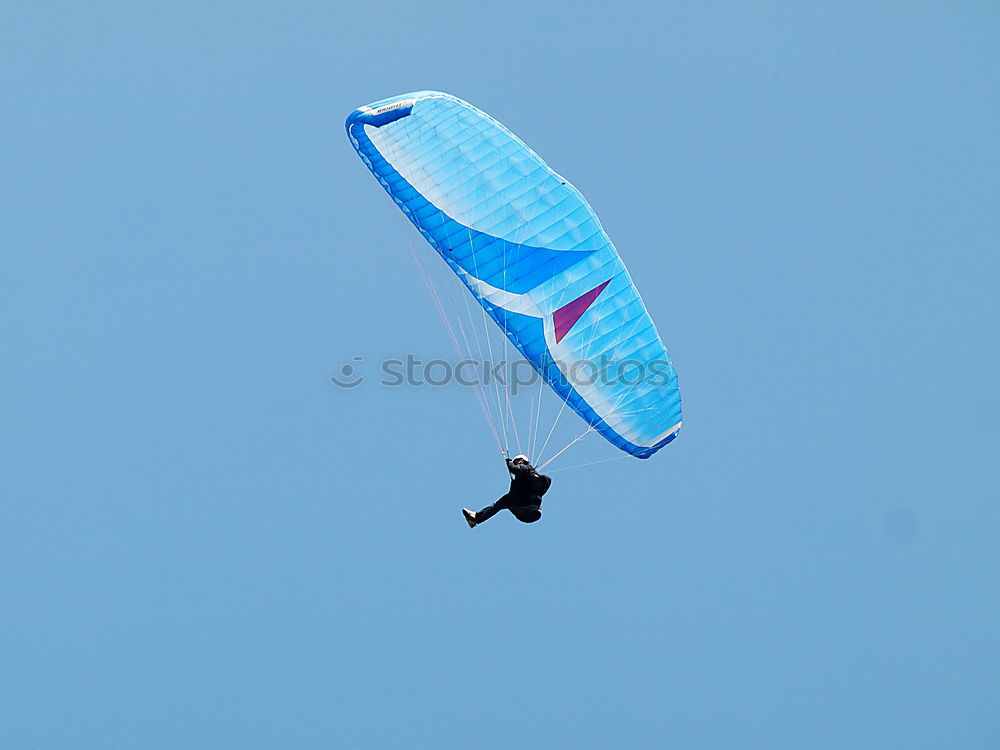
<point>205,544</point>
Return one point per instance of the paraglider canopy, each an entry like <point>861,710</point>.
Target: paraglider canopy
<point>531,251</point>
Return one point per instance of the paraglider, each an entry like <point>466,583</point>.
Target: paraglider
<point>532,253</point>
<point>523,500</point>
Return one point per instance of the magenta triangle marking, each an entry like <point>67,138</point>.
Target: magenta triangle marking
<point>566,316</point>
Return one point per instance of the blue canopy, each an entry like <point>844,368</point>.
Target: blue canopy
<point>532,252</point>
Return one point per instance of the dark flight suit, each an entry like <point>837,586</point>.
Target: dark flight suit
<point>524,499</point>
